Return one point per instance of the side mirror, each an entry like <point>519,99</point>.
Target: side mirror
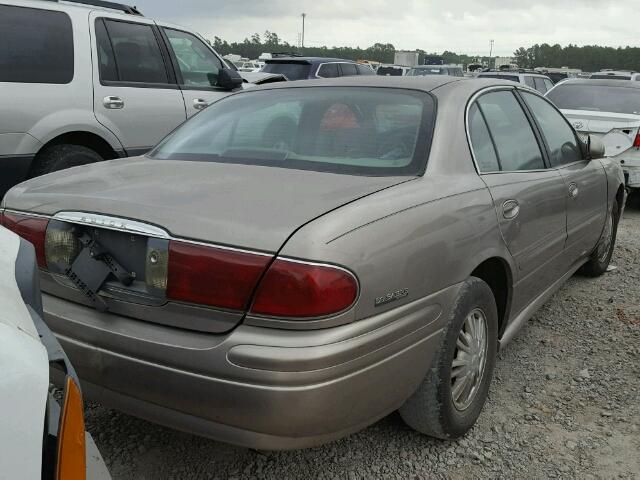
<point>229,79</point>
<point>595,148</point>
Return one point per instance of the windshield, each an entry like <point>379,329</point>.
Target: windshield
<point>597,98</point>
<point>293,71</point>
<point>356,130</point>
<point>421,72</point>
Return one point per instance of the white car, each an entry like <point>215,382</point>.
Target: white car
<point>609,110</point>
<point>39,439</point>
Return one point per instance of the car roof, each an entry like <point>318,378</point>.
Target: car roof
<point>602,83</point>
<point>422,67</point>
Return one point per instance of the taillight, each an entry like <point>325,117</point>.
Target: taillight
<point>636,142</point>
<point>71,458</point>
<point>298,289</point>
<point>32,229</point>
<point>213,276</point>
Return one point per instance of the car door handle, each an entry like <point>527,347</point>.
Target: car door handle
<point>200,103</point>
<point>112,103</point>
<point>573,190</point>
<point>510,209</point>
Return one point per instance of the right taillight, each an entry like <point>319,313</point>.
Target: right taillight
<point>213,276</point>
<point>636,142</point>
<point>299,289</point>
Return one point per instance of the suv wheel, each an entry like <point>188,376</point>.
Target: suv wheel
<point>59,157</point>
<point>454,391</point>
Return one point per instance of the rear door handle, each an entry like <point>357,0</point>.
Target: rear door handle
<point>113,103</point>
<point>510,209</point>
<point>200,103</point>
<point>573,190</point>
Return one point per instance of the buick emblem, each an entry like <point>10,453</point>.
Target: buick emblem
<point>578,125</point>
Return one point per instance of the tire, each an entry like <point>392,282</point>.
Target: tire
<point>431,409</point>
<point>59,157</point>
<point>601,257</point>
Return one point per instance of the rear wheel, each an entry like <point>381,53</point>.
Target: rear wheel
<point>454,391</point>
<point>59,157</point>
<point>601,256</point>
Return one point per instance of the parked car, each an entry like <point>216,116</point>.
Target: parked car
<point>615,75</point>
<point>392,70</point>
<point>539,82</point>
<point>80,83</point>
<point>39,439</point>
<point>304,68</point>
<point>610,111</point>
<point>301,259</point>
<point>423,70</point>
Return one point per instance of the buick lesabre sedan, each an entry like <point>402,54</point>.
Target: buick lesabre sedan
<point>297,261</point>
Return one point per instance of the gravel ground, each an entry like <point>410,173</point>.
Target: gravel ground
<point>564,403</point>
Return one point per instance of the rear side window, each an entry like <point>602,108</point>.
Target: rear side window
<point>348,69</point>
<point>528,80</point>
<point>329,70</point>
<point>540,86</point>
<point>562,143</point>
<point>548,84</point>
<point>135,52</point>
<point>36,46</point>
<point>481,142</point>
<point>515,142</point>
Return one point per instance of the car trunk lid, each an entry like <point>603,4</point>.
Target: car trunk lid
<point>617,131</point>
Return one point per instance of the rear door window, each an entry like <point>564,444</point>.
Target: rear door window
<point>329,70</point>
<point>36,46</point>
<point>348,69</point>
<point>540,86</point>
<point>548,83</point>
<point>528,81</point>
<point>516,144</point>
<point>483,149</point>
<point>137,53</point>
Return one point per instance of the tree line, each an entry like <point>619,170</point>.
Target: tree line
<point>589,58</point>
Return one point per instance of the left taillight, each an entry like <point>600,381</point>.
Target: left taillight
<point>636,142</point>
<point>31,228</point>
<point>71,454</point>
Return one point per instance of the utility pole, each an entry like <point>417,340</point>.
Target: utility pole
<point>304,15</point>
<point>490,52</point>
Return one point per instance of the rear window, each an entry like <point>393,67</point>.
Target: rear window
<point>511,78</point>
<point>353,130</point>
<point>389,71</point>
<point>421,72</point>
<point>36,46</point>
<point>293,71</point>
<point>596,98</point>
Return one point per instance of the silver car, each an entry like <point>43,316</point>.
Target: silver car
<point>300,260</point>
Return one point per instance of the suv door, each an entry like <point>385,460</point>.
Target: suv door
<point>529,199</point>
<point>136,95</point>
<point>197,68</point>
<point>585,181</point>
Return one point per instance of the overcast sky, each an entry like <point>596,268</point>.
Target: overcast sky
<point>462,26</point>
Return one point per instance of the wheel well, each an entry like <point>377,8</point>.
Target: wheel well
<point>85,139</point>
<point>496,273</point>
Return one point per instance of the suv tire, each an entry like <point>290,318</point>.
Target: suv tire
<point>59,157</point>
<point>432,409</point>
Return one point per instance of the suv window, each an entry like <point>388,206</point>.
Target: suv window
<point>528,80</point>
<point>348,69</point>
<point>483,150</point>
<point>36,46</point>
<point>516,145</point>
<point>540,86</point>
<point>562,143</point>
<point>198,65</point>
<point>329,70</point>
<point>135,50</point>
<point>548,83</point>
<point>365,70</point>
<point>291,70</point>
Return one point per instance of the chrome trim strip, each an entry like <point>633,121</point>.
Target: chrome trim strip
<point>28,214</point>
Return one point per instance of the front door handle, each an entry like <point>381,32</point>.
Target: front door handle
<point>113,103</point>
<point>573,190</point>
<point>200,103</point>
<point>510,209</point>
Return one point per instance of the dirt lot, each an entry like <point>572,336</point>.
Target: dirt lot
<point>565,403</point>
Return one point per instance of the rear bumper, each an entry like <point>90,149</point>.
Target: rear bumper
<point>255,387</point>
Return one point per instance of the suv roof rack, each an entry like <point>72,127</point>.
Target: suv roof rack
<point>102,3</point>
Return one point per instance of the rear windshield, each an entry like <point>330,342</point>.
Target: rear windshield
<point>421,72</point>
<point>597,98</point>
<point>610,77</point>
<point>355,130</point>
<point>511,78</point>
<point>390,71</point>
<point>293,71</point>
